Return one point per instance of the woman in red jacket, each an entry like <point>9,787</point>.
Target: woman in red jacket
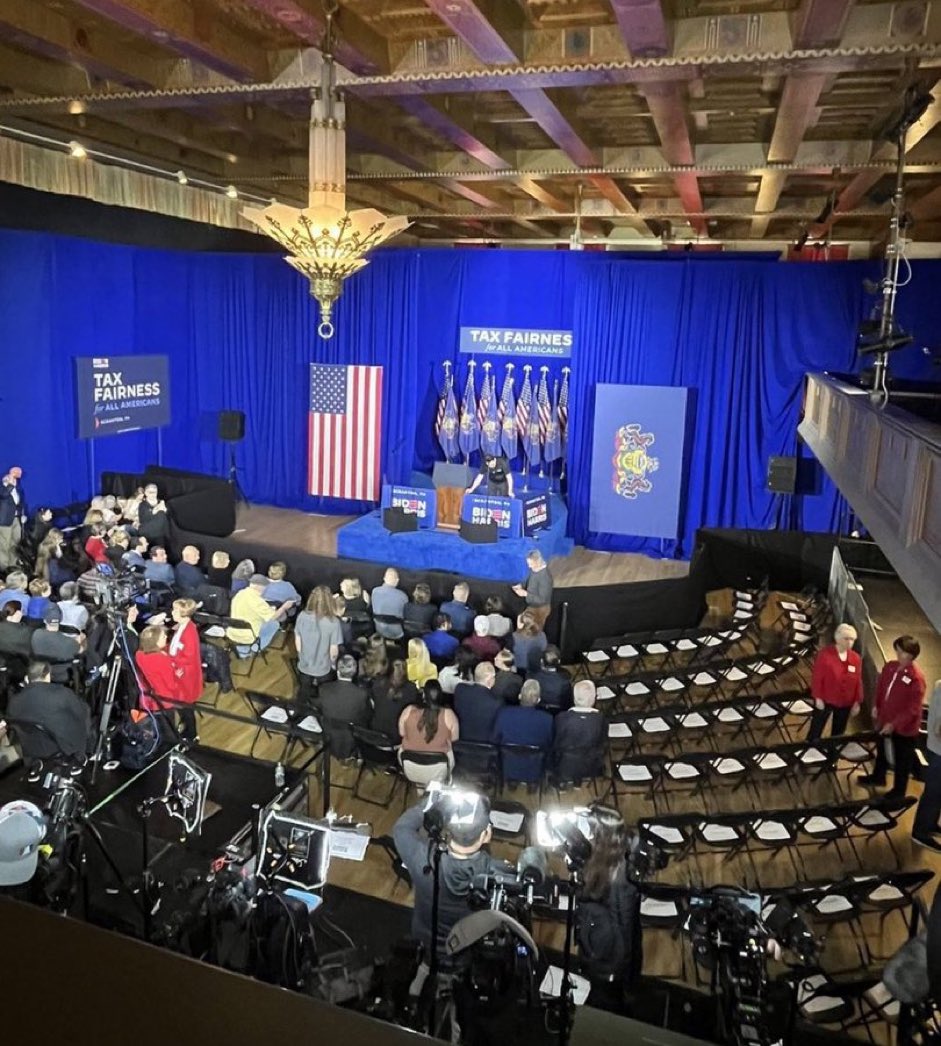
<point>900,694</point>
<point>184,649</point>
<point>836,684</point>
<point>162,678</point>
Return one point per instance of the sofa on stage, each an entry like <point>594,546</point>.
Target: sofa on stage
<point>430,549</point>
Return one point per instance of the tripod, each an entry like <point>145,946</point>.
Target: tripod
<point>237,491</point>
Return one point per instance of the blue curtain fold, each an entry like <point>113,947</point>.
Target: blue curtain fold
<point>240,332</point>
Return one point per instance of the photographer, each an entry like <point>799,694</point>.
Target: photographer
<point>464,863</point>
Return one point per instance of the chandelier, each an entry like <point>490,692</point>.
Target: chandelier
<point>324,241</point>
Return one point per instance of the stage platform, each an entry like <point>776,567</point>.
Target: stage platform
<point>367,539</point>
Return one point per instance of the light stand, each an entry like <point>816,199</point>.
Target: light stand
<point>118,654</point>
<point>233,480</point>
<point>565,991</point>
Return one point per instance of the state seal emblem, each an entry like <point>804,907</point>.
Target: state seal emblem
<point>632,463</point>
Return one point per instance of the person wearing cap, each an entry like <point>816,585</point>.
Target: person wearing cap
<point>50,644</point>
<point>22,831</point>
<point>499,476</point>
<point>836,683</point>
<point>262,619</point>
<point>62,714</point>
<point>482,644</point>
<point>12,515</point>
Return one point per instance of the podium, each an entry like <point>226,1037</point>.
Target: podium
<point>450,481</point>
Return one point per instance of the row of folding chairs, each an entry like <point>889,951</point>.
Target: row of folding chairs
<point>793,764</point>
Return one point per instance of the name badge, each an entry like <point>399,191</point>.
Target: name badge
<point>850,668</point>
<point>905,679</point>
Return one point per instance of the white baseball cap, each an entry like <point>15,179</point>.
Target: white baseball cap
<point>22,830</point>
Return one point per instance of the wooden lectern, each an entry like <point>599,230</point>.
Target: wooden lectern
<point>450,481</point>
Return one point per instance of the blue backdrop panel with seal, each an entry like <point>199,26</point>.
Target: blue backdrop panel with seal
<point>637,459</point>
<point>116,394</point>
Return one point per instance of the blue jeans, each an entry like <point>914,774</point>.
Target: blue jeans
<point>929,806</point>
<point>267,632</point>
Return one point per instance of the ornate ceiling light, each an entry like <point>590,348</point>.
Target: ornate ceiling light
<point>324,241</point>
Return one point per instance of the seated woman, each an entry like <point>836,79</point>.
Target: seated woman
<point>500,623</point>
<point>161,677</point>
<point>357,607</point>
<point>391,693</point>
<point>461,670</point>
<point>185,651</point>
<point>40,593</point>
<point>420,667</point>
<point>527,643</point>
<point>419,611</point>
<point>242,574</point>
<point>375,661</point>
<point>429,728</point>
<point>48,560</point>
<point>96,548</point>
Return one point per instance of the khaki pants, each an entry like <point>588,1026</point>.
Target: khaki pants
<point>9,539</point>
<point>541,615</point>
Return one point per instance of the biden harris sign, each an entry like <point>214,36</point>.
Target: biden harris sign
<point>121,394</point>
<point>637,459</point>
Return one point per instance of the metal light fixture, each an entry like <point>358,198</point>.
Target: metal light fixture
<point>324,241</point>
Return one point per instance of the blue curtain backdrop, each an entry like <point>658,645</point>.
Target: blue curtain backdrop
<point>240,334</point>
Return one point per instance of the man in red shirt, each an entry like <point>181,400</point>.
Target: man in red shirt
<point>836,684</point>
<point>900,694</point>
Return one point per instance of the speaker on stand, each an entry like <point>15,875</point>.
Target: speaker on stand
<point>781,480</point>
<point>231,429</point>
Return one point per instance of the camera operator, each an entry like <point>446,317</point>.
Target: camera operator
<point>58,710</point>
<point>464,863</point>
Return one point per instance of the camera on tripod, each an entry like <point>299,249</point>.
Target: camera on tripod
<point>115,592</point>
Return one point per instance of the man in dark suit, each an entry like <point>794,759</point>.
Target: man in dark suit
<point>342,704</point>
<point>477,705</point>
<point>15,636</point>
<point>186,575</point>
<point>508,683</point>
<point>12,516</point>
<point>61,713</point>
<point>555,684</point>
<point>55,647</point>
<point>526,724</point>
<point>578,746</point>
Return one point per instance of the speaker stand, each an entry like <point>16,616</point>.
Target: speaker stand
<point>237,491</point>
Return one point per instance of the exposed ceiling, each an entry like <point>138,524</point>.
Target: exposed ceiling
<point>498,119</point>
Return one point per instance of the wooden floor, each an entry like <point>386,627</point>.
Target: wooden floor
<point>307,532</point>
<point>663,951</point>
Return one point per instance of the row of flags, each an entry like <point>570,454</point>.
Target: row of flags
<point>533,422</point>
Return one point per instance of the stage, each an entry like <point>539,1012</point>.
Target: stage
<point>365,538</point>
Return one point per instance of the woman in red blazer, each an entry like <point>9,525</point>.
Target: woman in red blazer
<point>162,677</point>
<point>836,684</point>
<point>184,649</point>
<point>900,694</point>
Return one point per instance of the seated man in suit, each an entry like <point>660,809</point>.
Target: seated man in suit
<point>579,744</point>
<point>525,724</point>
<point>555,684</point>
<point>460,611</point>
<point>508,683</point>
<point>62,714</point>
<point>187,575</point>
<point>476,704</point>
<point>55,647</point>
<point>343,703</point>
<point>441,643</point>
<point>15,637</point>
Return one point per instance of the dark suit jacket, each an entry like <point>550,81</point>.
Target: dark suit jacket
<point>56,648</point>
<point>523,726</point>
<point>15,639</point>
<point>555,689</point>
<point>155,526</point>
<point>342,703</point>
<point>188,578</point>
<point>57,709</point>
<point>578,729</point>
<point>8,509</point>
<point>477,708</point>
<point>507,686</point>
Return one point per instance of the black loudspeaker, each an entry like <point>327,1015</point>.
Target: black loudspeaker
<point>398,521</point>
<point>479,533</point>
<point>232,425</point>
<point>782,475</point>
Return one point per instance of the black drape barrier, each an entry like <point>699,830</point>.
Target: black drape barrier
<point>789,559</point>
<point>195,502</point>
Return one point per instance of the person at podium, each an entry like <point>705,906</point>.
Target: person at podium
<point>499,478</point>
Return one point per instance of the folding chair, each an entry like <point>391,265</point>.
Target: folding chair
<point>730,769</point>
<point>839,904</point>
<point>771,767</point>
<point>684,775</point>
<point>378,754</point>
<point>532,756</point>
<point>726,834</point>
<point>477,763</point>
<point>276,718</point>
<point>674,835</point>
<point>891,894</point>
<point>254,648</point>
<point>635,775</point>
<point>666,908</point>
<point>823,826</point>
<point>422,768</point>
<point>765,717</point>
<point>773,833</point>
<point>875,818</point>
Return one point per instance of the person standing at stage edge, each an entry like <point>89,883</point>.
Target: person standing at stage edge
<point>536,588</point>
<point>12,516</point>
<point>836,684</point>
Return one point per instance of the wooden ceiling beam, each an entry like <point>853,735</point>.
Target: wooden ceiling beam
<point>191,30</point>
<point>928,206</point>
<point>455,131</point>
<point>820,23</point>
<point>492,29</point>
<point>644,27</point>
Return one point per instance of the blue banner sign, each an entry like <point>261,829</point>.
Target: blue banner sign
<point>535,513</point>
<point>637,459</point>
<point>414,501</point>
<point>121,394</point>
<point>488,508</point>
<point>512,341</point>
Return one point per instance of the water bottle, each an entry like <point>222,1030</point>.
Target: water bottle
<point>279,775</point>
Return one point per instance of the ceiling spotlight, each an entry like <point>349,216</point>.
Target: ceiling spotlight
<point>232,192</point>
<point>76,107</point>
<point>181,177</point>
<point>232,158</point>
<point>77,151</point>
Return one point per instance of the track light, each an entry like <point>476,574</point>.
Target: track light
<point>181,177</point>
<point>76,107</point>
<point>232,192</point>
<point>77,151</point>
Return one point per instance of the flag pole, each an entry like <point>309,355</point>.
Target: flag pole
<point>564,437</point>
<point>543,371</point>
<point>447,393</point>
<point>555,414</point>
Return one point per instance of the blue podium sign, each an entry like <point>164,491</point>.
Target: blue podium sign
<point>488,508</point>
<point>414,501</point>
<point>535,513</point>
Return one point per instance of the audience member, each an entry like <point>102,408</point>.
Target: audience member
<point>441,643</point>
<point>388,600</point>
<point>16,590</point>
<point>49,552</point>
<point>74,612</point>
<point>317,638</point>
<point>836,683</point>
<point>134,557</point>
<point>117,547</point>
<point>96,548</point>
<point>187,575</point>
<point>358,618</point>
<point>419,665</point>
<point>57,649</point>
<point>460,611</point>
<point>58,710</point>
<point>279,589</point>
<point>185,649</point>
<point>242,574</point>
<point>527,644</point>
<point>391,695</point>
<point>461,670</point>
<point>477,705</point>
<point>524,724</point>
<point>429,727</point>
<point>580,733</point>
<point>15,634</point>
<point>13,515</point>
<point>346,626</point>
<point>481,643</point>
<point>220,570</point>
<point>40,593</point>
<point>73,559</point>
<point>500,624</point>
<point>40,523</point>
<point>508,683</point>
<point>343,704</point>
<point>420,612</point>
<point>162,677</point>
<point>925,829</point>
<point>900,694</point>
<point>375,661</point>
<point>152,516</point>
<point>157,569</point>
<point>262,619</point>
<point>536,588</point>
<point>555,684</point>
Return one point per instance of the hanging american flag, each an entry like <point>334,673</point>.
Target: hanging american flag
<point>345,425</point>
<point>486,393</point>
<point>524,403</point>
<point>443,400</point>
<point>545,406</point>
<point>564,406</point>
<point>507,416</point>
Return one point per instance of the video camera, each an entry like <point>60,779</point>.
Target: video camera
<point>114,592</point>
